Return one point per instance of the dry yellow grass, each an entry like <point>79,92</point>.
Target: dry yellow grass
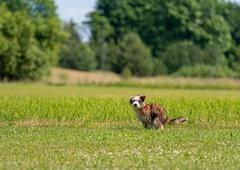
<point>73,77</point>
<point>183,82</point>
<point>68,76</point>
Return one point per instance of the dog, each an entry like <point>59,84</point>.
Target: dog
<point>152,115</point>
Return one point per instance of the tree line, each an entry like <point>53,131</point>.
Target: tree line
<point>128,37</point>
<point>180,37</point>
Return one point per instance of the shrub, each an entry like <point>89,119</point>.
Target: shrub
<point>186,53</point>
<point>159,68</point>
<point>126,73</point>
<point>79,57</point>
<point>21,56</point>
<point>204,71</point>
<point>132,53</point>
<point>182,53</point>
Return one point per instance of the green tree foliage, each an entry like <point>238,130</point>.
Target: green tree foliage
<point>101,29</point>
<point>75,54</point>
<point>16,5</point>
<point>130,53</point>
<point>43,8</point>
<point>79,57</point>
<point>160,22</point>
<point>49,36</point>
<point>163,24</point>
<point>205,71</point>
<point>30,35</point>
<point>186,53</point>
<point>198,21</point>
<point>233,56</point>
<point>182,53</point>
<point>100,26</point>
<point>231,12</point>
<point>20,55</point>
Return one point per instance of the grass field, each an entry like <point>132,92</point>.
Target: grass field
<point>91,127</point>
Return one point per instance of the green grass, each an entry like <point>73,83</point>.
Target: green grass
<point>119,148</point>
<point>21,89</point>
<point>80,127</point>
<point>77,111</point>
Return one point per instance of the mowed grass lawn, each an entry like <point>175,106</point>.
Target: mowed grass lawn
<point>90,127</point>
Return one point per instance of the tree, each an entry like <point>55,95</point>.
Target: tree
<point>20,55</point>
<point>76,54</point>
<point>186,53</point>
<point>49,35</point>
<point>34,8</point>
<point>182,53</point>
<point>31,37</point>
<point>130,53</point>
<point>231,12</point>
<point>101,29</point>
<point>79,56</point>
<point>161,24</point>
<point>16,5</point>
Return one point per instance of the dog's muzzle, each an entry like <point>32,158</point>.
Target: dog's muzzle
<point>136,104</point>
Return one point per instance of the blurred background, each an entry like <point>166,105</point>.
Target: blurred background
<point>118,39</point>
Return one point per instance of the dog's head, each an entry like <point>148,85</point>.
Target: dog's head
<point>137,101</point>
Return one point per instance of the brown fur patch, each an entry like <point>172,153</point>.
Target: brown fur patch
<point>155,115</point>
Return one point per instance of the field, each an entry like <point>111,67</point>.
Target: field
<point>93,127</point>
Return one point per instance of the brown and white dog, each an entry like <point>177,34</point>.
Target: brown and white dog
<point>152,115</point>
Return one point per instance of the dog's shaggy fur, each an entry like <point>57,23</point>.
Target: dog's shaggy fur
<point>152,115</point>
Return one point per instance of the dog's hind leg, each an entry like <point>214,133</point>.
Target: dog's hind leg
<point>158,124</point>
<point>145,125</point>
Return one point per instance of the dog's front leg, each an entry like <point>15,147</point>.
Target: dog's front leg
<point>149,122</point>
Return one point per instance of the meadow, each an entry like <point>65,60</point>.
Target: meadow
<point>93,127</point>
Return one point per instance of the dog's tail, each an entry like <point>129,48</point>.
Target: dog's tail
<point>177,120</point>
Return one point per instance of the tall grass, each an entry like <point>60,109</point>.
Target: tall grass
<point>76,111</point>
<point>60,110</point>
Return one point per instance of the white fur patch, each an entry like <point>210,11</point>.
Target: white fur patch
<point>136,102</point>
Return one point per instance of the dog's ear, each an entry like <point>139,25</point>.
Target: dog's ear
<point>143,97</point>
<point>130,100</point>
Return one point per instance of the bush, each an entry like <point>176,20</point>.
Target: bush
<point>159,68</point>
<point>182,53</point>
<point>126,73</point>
<point>79,57</point>
<point>131,53</point>
<point>29,39</point>
<point>204,71</point>
<point>21,56</point>
<point>186,53</point>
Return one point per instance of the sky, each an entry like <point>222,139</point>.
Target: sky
<point>74,9</point>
